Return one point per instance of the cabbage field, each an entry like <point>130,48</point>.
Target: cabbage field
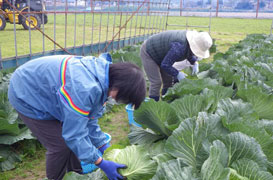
<point>217,126</point>
<point>214,126</point>
<point>12,130</point>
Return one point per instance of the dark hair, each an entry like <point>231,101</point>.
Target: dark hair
<point>129,79</point>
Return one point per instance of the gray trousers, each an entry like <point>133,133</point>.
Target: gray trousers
<point>59,158</point>
<point>155,74</point>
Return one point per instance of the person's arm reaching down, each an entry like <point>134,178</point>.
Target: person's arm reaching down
<point>175,53</point>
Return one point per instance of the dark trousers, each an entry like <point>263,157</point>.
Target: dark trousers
<point>155,74</point>
<point>59,158</point>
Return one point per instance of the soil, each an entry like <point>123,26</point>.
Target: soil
<point>118,129</point>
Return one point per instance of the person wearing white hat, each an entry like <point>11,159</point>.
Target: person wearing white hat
<point>161,51</point>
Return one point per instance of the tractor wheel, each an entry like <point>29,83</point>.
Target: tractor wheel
<point>34,18</point>
<point>45,18</point>
<point>2,22</point>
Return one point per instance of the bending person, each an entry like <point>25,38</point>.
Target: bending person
<point>60,99</point>
<point>161,51</point>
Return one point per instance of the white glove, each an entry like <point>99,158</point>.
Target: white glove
<point>181,76</point>
<point>195,68</point>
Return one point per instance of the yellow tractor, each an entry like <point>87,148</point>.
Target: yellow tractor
<point>36,9</point>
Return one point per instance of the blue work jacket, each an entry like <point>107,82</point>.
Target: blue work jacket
<point>71,89</point>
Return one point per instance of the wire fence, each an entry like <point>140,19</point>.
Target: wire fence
<point>90,27</point>
<point>185,11</point>
<point>262,9</point>
<point>79,27</point>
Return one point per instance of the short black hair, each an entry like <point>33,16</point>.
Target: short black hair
<point>129,79</point>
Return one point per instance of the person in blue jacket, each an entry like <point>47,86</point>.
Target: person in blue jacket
<point>161,51</point>
<point>60,99</point>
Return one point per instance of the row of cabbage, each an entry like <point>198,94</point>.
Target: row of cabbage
<point>216,127</point>
<point>13,132</point>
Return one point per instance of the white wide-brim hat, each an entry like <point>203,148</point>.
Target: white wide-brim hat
<point>200,43</point>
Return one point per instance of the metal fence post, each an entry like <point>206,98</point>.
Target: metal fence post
<point>54,25</point>
<point>149,17</point>
<point>148,10</point>
<point>1,65</point>
<point>217,8</point>
<point>100,25</point>
<point>114,24</point>
<point>187,16</point>
<point>131,29</point>
<point>84,19</point>
<point>161,18</point>
<point>140,26</point>
<point>166,26</point>
<point>136,28</point>
<point>65,22</point>
<point>181,7</point>
<point>125,30</point>
<point>93,19</point>
<point>165,17</point>
<point>14,30</point>
<point>107,27</point>
<point>120,21</point>
<point>75,26</point>
<point>29,28</point>
<point>257,9</point>
<point>43,25</point>
<point>271,27</point>
<point>210,15</point>
<point>153,23</point>
<point>157,18</point>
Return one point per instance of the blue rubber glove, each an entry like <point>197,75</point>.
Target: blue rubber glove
<point>103,148</point>
<point>181,76</point>
<point>111,169</point>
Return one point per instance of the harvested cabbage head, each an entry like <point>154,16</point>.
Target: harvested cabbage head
<point>138,161</point>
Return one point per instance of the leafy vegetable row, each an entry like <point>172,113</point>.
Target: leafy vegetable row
<point>12,130</point>
<point>219,126</point>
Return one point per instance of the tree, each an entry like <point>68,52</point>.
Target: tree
<point>244,5</point>
<point>199,3</point>
<point>261,5</point>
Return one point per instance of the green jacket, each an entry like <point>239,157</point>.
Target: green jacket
<point>158,45</point>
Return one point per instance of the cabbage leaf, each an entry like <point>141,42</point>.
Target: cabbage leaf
<point>174,170</point>
<point>158,116</point>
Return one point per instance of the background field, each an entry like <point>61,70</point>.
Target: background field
<point>226,32</point>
